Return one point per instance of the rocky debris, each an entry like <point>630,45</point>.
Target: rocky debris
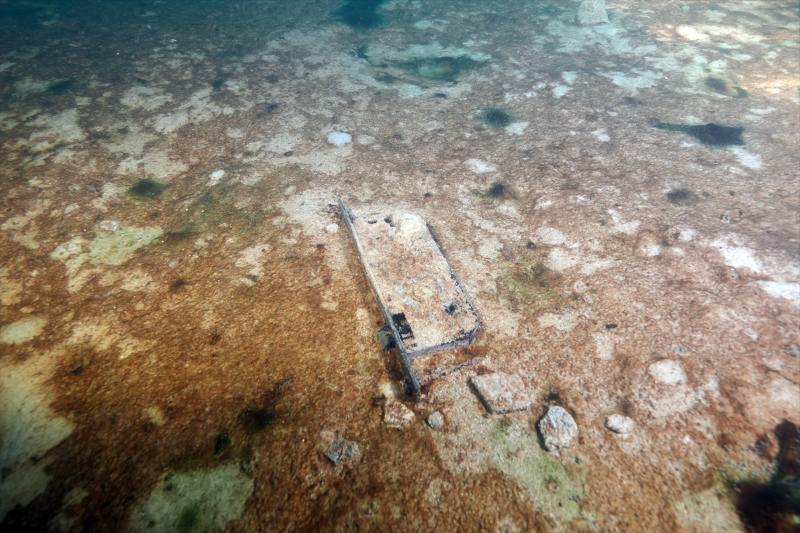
<point>592,12</point>
<point>342,450</point>
<point>558,428</point>
<point>395,413</point>
<point>620,424</point>
<point>435,420</point>
<point>502,393</point>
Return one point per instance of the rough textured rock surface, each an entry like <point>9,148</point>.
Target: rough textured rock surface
<point>342,450</point>
<point>435,420</point>
<point>558,428</point>
<point>620,424</point>
<point>502,393</point>
<point>395,413</point>
<point>592,12</point>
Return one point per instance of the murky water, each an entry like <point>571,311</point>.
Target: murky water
<point>187,335</point>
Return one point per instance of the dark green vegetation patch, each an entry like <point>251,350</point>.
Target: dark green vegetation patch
<point>497,117</point>
<point>146,188</point>
<point>681,197</point>
<point>710,134</point>
<point>63,86</point>
<point>723,87</point>
<point>361,15</point>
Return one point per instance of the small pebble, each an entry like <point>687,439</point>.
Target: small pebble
<point>435,420</point>
<point>620,424</point>
<point>332,228</point>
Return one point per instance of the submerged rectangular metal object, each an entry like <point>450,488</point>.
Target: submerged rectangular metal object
<point>424,306</point>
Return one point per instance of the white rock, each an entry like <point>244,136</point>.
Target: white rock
<point>109,225</point>
<point>558,428</point>
<point>502,393</point>
<point>332,228</point>
<point>592,12</point>
<point>668,371</point>
<point>339,138</point>
<point>435,420</point>
<point>395,413</point>
<point>620,424</point>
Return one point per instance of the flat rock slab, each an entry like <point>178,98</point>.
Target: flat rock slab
<point>502,393</point>
<point>413,282</point>
<point>395,413</point>
<point>558,428</point>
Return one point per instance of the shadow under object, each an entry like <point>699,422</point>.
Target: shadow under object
<point>424,307</point>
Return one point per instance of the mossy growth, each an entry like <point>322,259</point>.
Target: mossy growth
<point>361,15</point>
<point>496,117</point>
<point>500,431</point>
<point>147,188</point>
<point>198,501</point>
<point>217,206</point>
<point>444,69</point>
<point>529,283</point>
<point>709,134</point>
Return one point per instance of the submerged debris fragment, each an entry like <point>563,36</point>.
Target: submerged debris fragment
<point>710,134</point>
<point>342,450</point>
<point>395,413</point>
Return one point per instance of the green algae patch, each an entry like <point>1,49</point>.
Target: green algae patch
<point>116,247</point>
<point>198,501</point>
<point>547,483</point>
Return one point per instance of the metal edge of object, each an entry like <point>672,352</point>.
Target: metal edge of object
<point>405,363</point>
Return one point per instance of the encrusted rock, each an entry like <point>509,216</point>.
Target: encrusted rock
<point>342,450</point>
<point>558,428</point>
<point>592,12</point>
<point>395,413</point>
<point>620,424</point>
<point>502,393</point>
<point>435,420</point>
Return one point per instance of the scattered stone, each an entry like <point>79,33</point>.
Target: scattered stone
<point>558,428</point>
<point>435,420</point>
<point>592,12</point>
<point>502,393</point>
<point>109,225</point>
<point>395,413</point>
<point>620,424</point>
<point>339,138</point>
<point>332,228</point>
<point>342,450</point>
